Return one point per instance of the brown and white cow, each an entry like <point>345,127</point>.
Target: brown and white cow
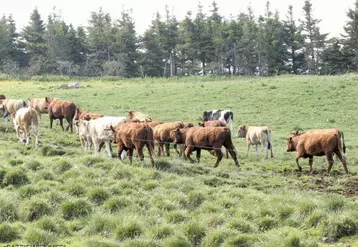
<point>12,106</point>
<point>256,135</point>
<point>24,118</point>
<point>60,109</point>
<point>139,116</point>
<point>210,138</point>
<point>316,143</point>
<point>129,136</point>
<point>162,135</point>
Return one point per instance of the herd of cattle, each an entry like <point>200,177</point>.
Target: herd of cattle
<point>138,130</point>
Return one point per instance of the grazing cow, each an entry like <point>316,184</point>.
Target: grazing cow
<point>226,116</point>
<point>100,132</point>
<point>210,138</point>
<point>12,106</point>
<point>129,136</point>
<point>212,123</point>
<point>256,135</point>
<point>162,135</point>
<point>139,116</point>
<point>316,143</point>
<point>60,109</point>
<point>25,117</point>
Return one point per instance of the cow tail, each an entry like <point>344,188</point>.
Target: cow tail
<point>268,134</point>
<point>344,145</point>
<point>24,103</point>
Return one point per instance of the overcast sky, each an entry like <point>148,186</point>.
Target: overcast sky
<point>77,12</point>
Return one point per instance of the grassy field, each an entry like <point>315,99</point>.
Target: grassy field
<point>57,193</point>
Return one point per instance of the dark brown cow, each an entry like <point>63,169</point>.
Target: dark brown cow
<point>162,135</point>
<point>316,143</point>
<point>129,136</point>
<point>212,123</point>
<point>210,138</point>
<point>60,109</point>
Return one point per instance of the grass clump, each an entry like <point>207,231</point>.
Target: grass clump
<point>75,209</point>
<point>76,189</point>
<point>194,232</point>
<point>131,229</point>
<point>49,151</point>
<point>8,210</point>
<point>34,165</point>
<point>243,240</point>
<point>240,225</point>
<point>37,236</point>
<point>49,224</point>
<point>98,195</point>
<point>266,223</point>
<point>176,241</point>
<point>161,232</point>
<point>15,162</point>
<point>176,217</point>
<point>336,228</point>
<point>34,209</point>
<point>214,238</point>
<point>115,204</point>
<point>8,233</point>
<point>16,177</point>
<point>149,185</point>
<point>100,224</point>
<point>63,166</point>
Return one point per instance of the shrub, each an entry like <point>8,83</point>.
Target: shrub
<point>16,177</point>
<point>176,241</point>
<point>114,204</point>
<point>98,195</point>
<point>15,162</point>
<point>63,166</point>
<point>194,232</point>
<point>75,209</point>
<point>130,229</point>
<point>7,233</point>
<point>34,165</point>
<point>34,209</point>
<point>36,236</point>
<point>8,210</point>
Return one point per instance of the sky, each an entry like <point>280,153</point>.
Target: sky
<point>331,12</point>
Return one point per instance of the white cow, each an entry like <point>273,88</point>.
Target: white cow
<point>256,135</point>
<point>99,131</point>
<point>25,117</point>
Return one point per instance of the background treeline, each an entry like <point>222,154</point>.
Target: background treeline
<point>206,43</point>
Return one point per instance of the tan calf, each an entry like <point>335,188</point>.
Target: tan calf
<point>25,117</point>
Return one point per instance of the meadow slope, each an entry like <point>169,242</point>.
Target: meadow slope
<point>57,193</point>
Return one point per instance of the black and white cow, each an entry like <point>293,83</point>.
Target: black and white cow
<point>223,115</point>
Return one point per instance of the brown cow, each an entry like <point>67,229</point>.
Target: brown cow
<point>336,131</point>
<point>23,119</point>
<point>212,123</point>
<point>86,115</point>
<point>162,135</point>
<point>139,116</point>
<point>316,143</point>
<point>60,109</point>
<point>129,136</point>
<point>210,138</point>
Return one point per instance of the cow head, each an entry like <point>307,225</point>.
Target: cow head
<point>206,116</point>
<point>177,136</point>
<point>242,131</point>
<point>291,144</point>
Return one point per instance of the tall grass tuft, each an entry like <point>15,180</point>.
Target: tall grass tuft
<point>8,233</point>
<point>16,177</point>
<point>75,209</point>
<point>338,227</point>
<point>63,166</point>
<point>177,241</point>
<point>34,165</point>
<point>98,195</point>
<point>115,204</point>
<point>160,232</point>
<point>34,209</point>
<point>100,224</point>
<point>37,236</point>
<point>8,209</point>
<point>130,229</point>
<point>194,232</point>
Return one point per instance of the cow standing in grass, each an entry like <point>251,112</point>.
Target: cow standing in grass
<point>162,135</point>
<point>256,135</point>
<point>211,138</point>
<point>12,106</point>
<point>316,143</point>
<point>226,116</point>
<point>60,109</point>
<point>24,118</point>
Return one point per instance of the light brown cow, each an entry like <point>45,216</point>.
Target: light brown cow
<point>25,117</point>
<point>336,131</point>
<point>139,116</point>
<point>256,135</point>
<point>315,143</point>
<point>39,105</point>
<point>129,136</point>
<point>162,135</point>
<point>210,138</point>
<point>60,109</point>
<point>212,123</point>
<point>12,106</point>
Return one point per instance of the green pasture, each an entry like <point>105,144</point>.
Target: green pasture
<point>57,193</point>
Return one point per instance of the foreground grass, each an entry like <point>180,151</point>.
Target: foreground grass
<point>59,194</point>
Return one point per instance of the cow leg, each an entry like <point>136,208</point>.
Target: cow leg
<point>120,149</point>
<point>198,151</point>
<point>130,155</point>
<point>150,148</point>
<point>343,160</point>
<point>248,149</point>
<point>298,165</point>
<point>51,121</point>
<point>271,151</point>
<point>6,124</point>
<point>257,150</point>
<point>36,134</point>
<point>167,149</point>
<point>188,151</point>
<point>108,149</point>
<point>219,155</point>
<point>95,145</point>
<point>100,146</point>
<point>83,143</point>
<point>176,148</point>
<point>310,162</point>
<point>329,156</point>
<point>27,134</point>
<point>61,124</point>
<point>140,154</point>
<point>160,148</point>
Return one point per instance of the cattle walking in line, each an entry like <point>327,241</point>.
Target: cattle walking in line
<point>210,138</point>
<point>134,115</point>
<point>162,135</point>
<point>226,116</point>
<point>12,106</point>
<point>256,135</point>
<point>24,118</point>
<point>60,109</point>
<point>130,136</point>
<point>316,143</point>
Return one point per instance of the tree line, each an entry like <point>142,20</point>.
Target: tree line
<point>206,43</point>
